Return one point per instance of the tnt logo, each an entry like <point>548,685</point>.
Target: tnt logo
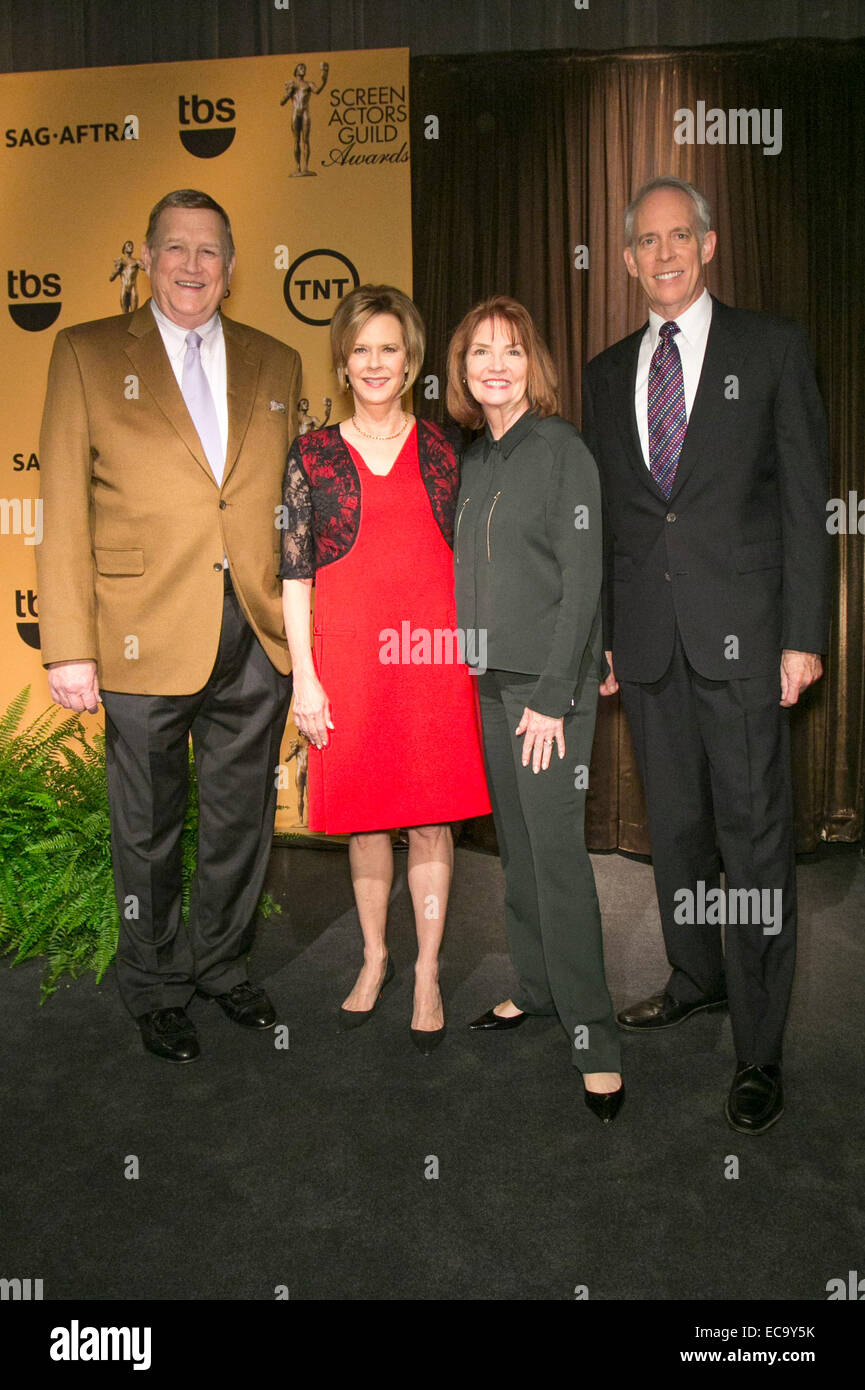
<point>316,282</point>
<point>196,111</point>
<point>26,285</point>
<point>25,610</point>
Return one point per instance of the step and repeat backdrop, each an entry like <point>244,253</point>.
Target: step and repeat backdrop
<point>308,154</point>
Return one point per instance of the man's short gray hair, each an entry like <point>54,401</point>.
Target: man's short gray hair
<point>188,198</point>
<point>701,203</point>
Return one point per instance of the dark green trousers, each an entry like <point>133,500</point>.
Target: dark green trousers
<point>551,906</point>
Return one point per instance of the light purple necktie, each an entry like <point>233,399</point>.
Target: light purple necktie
<point>668,422</point>
<point>199,403</point>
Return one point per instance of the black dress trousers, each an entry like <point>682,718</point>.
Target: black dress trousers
<point>236,722</point>
<point>714,757</point>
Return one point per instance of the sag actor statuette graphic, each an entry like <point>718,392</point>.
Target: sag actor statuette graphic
<point>127,266</point>
<point>307,422</point>
<point>298,91</point>
<point>299,750</point>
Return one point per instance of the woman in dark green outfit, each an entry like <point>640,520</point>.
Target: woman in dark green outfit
<point>528,558</point>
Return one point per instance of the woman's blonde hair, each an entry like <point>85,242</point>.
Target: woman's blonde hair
<point>543,384</point>
<point>357,308</point>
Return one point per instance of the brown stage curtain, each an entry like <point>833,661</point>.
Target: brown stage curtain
<point>537,154</point>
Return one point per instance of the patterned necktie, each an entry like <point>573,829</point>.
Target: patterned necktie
<point>667,419</point>
<point>199,403</point>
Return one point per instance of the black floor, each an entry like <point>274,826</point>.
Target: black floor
<point>309,1168</point>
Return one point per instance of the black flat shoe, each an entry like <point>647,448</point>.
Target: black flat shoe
<point>427,1042</point>
<point>663,1011</point>
<point>756,1098</point>
<point>353,1018</point>
<point>491,1022</point>
<point>246,1004</point>
<point>606,1105</point>
<point>170,1034</point>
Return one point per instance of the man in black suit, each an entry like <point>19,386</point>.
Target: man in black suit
<point>710,438</point>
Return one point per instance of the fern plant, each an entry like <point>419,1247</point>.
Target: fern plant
<point>56,885</point>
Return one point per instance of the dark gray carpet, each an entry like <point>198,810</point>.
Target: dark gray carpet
<point>305,1167</point>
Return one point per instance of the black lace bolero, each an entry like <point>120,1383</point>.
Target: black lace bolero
<point>320,515</point>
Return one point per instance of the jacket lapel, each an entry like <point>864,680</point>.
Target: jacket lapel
<point>243,365</point>
<point>724,358</point>
<point>146,352</point>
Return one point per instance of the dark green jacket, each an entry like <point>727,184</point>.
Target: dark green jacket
<point>528,557</point>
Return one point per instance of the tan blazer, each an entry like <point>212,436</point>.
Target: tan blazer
<point>135,526</point>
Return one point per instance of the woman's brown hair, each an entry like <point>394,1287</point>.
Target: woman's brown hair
<point>543,383</point>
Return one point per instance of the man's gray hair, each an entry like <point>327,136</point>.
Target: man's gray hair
<point>188,198</point>
<point>701,203</point>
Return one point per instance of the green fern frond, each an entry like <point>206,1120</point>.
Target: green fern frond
<point>12,716</point>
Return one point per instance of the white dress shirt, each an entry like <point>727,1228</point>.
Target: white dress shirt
<point>212,360</point>
<point>212,352</point>
<point>691,341</point>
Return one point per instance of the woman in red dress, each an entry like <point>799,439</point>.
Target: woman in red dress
<point>384,697</point>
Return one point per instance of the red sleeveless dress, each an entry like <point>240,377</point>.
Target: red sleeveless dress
<point>406,746</point>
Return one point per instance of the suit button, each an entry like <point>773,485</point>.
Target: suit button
<point>667,576</point>
<point>671,516</point>
<point>223,505</point>
<point>218,568</point>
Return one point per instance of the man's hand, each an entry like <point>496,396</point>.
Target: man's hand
<point>798,671</point>
<point>74,685</point>
<point>610,685</point>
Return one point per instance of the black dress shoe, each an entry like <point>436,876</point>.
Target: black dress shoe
<point>169,1033</point>
<point>246,1003</point>
<point>427,1042</point>
<point>491,1022</point>
<point>756,1098</point>
<point>663,1011</point>
<point>353,1018</point>
<point>606,1105</point>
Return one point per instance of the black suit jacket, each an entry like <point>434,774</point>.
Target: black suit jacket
<point>738,557</point>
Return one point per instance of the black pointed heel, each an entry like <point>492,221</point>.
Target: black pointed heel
<point>605,1105</point>
<point>427,1042</point>
<point>491,1022</point>
<point>353,1018</point>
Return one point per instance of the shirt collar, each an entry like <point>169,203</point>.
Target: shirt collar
<point>512,437</point>
<point>693,323</point>
<point>174,336</point>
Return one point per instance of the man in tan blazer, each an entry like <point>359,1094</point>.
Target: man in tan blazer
<point>163,445</point>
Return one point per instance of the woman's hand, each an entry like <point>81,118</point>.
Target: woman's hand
<point>540,731</point>
<point>311,709</point>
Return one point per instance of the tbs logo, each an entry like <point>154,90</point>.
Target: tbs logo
<point>25,614</point>
<point>199,111</point>
<point>24,284</point>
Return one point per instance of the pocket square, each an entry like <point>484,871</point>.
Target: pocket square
<point>277,405</point>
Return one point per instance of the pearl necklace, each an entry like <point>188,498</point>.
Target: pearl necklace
<point>367,435</point>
